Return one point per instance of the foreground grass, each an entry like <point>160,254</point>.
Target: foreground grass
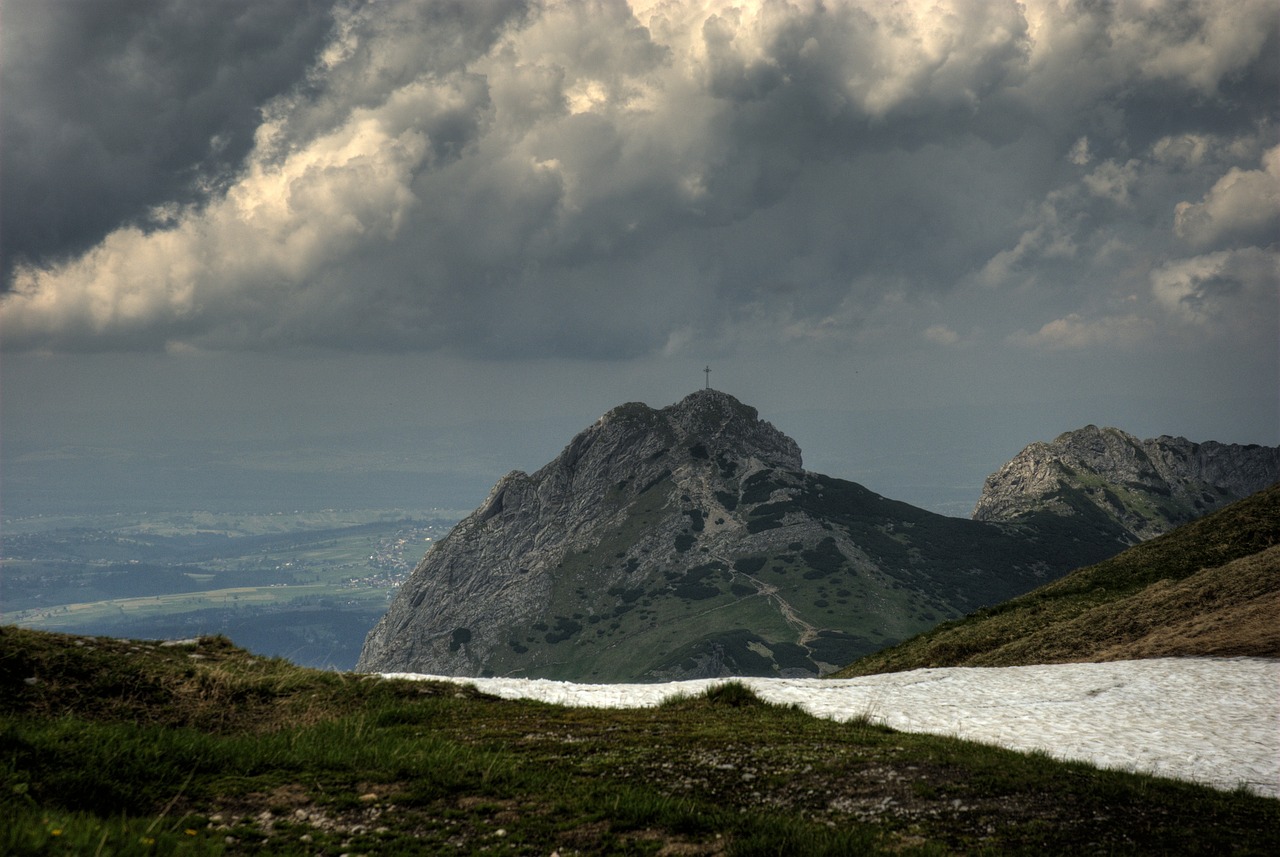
<point>117,747</point>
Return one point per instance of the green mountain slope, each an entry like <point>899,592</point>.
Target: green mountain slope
<point>1211,587</point>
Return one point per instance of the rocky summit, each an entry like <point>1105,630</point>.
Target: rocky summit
<point>1140,488</point>
<point>689,542</point>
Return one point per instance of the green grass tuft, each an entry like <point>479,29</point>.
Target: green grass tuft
<point>732,694</point>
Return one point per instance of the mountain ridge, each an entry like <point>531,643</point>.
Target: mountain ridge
<point>688,541</point>
<point>1147,487</point>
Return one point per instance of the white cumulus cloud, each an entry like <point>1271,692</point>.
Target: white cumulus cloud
<point>1233,287</point>
<point>1076,332</point>
<point>1242,207</point>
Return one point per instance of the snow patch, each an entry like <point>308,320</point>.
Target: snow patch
<point>1209,720</point>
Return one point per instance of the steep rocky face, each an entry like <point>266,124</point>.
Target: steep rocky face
<point>1144,487</point>
<point>687,542</point>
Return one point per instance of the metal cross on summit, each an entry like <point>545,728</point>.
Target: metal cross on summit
<point>708,371</point>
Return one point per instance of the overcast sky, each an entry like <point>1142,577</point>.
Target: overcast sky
<point>915,235</point>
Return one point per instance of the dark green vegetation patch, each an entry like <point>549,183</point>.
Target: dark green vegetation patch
<point>700,582</point>
<point>459,638</point>
<point>837,647</point>
<point>768,516</point>
<point>758,487</point>
<point>824,560</point>
<point>727,499</point>
<point>564,629</point>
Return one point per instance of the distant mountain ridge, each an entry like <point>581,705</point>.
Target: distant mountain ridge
<point>689,541</point>
<point>1146,487</point>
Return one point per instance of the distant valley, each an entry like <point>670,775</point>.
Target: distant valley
<point>301,585</point>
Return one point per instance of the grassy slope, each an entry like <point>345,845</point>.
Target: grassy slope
<point>117,747</point>
<point>1211,587</point>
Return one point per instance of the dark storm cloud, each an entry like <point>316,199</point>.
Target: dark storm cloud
<point>111,107</point>
<point>610,180</point>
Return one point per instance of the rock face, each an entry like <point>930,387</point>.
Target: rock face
<point>687,542</point>
<point>1145,487</point>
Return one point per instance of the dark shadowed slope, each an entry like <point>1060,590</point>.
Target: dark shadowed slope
<point>1211,587</point>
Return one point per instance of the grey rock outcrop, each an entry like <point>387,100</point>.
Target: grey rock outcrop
<point>1146,487</point>
<point>498,567</point>
<point>686,542</point>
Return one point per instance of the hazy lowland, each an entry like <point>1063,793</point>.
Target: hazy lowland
<point>302,585</point>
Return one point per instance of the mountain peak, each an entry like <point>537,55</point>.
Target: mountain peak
<point>706,424</point>
<point>728,427</point>
<point>1140,487</point>
<point>709,399</point>
<point>706,405</point>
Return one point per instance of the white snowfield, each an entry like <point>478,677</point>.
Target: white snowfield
<point>1210,720</point>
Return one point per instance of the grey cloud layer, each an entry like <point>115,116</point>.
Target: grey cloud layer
<point>111,107</point>
<point>611,180</point>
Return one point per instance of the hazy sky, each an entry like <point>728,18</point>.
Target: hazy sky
<point>413,237</point>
